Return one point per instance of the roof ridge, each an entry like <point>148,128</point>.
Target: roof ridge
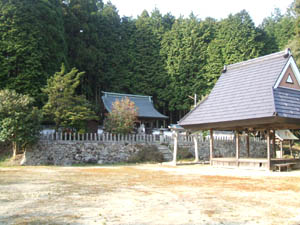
<point>128,95</point>
<point>262,58</point>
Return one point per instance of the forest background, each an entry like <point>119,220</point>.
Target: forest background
<point>158,55</point>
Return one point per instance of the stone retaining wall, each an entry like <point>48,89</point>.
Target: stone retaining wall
<point>50,152</point>
<point>68,153</point>
<point>226,148</point>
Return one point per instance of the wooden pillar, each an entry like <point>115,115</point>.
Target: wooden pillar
<point>274,143</point>
<point>268,150</point>
<point>175,147</point>
<point>248,143</point>
<point>237,147</point>
<point>196,148</point>
<point>211,146</point>
<point>291,149</point>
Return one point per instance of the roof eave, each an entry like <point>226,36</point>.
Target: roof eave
<point>272,122</point>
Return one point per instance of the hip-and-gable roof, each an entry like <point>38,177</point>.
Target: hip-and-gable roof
<point>143,103</point>
<point>246,91</point>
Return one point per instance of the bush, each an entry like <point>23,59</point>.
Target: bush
<point>147,154</point>
<point>184,153</point>
<point>122,117</point>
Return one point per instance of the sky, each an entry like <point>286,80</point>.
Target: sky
<point>258,9</point>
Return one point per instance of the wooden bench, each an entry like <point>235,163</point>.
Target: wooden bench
<point>288,166</point>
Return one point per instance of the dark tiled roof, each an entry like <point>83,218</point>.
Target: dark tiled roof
<point>143,103</point>
<point>244,91</point>
<point>287,102</point>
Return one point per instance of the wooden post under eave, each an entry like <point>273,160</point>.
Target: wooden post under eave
<point>237,147</point>
<point>248,144</point>
<point>268,151</point>
<point>211,146</point>
<point>274,144</point>
<point>291,149</point>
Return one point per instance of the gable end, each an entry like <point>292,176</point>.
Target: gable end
<point>290,76</point>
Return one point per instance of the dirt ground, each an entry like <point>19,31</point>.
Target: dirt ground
<point>148,194</point>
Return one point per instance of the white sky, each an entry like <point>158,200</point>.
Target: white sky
<point>258,9</point>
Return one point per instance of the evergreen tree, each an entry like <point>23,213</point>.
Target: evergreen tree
<point>184,48</point>
<point>294,43</point>
<point>64,106</point>
<point>237,39</point>
<point>279,30</point>
<point>32,44</point>
<point>19,120</point>
<point>145,65</point>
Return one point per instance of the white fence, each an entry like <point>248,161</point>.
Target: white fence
<point>131,138</point>
<point>106,137</point>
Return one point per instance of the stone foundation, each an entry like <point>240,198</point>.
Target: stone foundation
<point>68,153</point>
<point>51,152</point>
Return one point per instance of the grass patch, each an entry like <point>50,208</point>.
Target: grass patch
<point>5,158</point>
<point>184,153</point>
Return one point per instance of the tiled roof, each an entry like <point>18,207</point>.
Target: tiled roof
<point>287,102</point>
<point>285,135</point>
<point>143,103</point>
<point>244,91</point>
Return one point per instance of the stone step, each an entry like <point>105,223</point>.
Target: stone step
<point>167,153</point>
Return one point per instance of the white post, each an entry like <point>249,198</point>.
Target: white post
<point>211,146</point>
<point>196,148</point>
<point>281,149</point>
<point>175,135</point>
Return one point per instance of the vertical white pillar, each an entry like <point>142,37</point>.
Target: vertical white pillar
<point>211,148</point>
<point>196,148</point>
<point>175,135</point>
<point>281,149</point>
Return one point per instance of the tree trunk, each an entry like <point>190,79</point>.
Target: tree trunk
<point>15,150</point>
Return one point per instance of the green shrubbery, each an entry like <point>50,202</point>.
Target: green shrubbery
<point>184,153</point>
<point>122,117</point>
<point>19,120</point>
<point>147,154</point>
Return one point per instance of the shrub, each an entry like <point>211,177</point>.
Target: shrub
<point>122,117</point>
<point>184,153</point>
<point>147,154</point>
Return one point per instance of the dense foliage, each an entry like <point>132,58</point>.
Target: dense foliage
<point>159,55</point>
<point>122,117</point>
<point>19,119</point>
<point>64,106</point>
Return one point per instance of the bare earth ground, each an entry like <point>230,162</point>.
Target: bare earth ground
<point>148,194</point>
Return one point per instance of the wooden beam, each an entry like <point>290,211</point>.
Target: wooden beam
<point>211,146</point>
<point>237,147</point>
<point>268,150</point>
<point>274,143</point>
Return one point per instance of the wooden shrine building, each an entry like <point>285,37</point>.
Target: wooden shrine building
<point>258,95</point>
<point>147,114</point>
